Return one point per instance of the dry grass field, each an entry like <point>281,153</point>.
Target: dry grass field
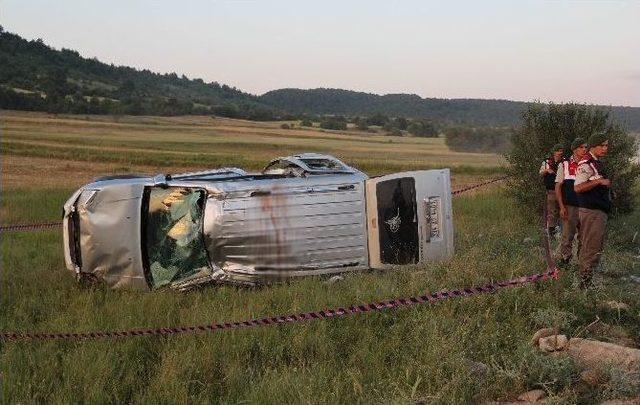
<point>423,354</point>
<point>178,143</point>
<point>59,153</point>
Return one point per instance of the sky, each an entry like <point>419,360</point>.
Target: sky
<point>560,51</point>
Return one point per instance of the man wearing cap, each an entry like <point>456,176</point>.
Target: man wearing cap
<point>548,174</point>
<point>592,187</point>
<point>568,200</point>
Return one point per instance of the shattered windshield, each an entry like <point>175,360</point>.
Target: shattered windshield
<point>174,244</point>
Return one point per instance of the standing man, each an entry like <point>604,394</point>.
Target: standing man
<point>568,200</point>
<point>548,174</point>
<point>592,187</point>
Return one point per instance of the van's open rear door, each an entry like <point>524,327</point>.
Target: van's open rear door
<point>409,218</point>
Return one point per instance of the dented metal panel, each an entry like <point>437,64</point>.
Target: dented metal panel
<point>286,232</point>
<point>110,224</point>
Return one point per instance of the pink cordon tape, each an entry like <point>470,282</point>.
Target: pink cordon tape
<point>293,318</point>
<point>477,185</point>
<point>550,273</point>
<point>30,227</point>
<point>47,225</point>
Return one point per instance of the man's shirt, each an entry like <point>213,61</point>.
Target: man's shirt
<point>586,172</point>
<point>573,164</point>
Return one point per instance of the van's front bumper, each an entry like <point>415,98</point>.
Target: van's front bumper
<point>70,234</point>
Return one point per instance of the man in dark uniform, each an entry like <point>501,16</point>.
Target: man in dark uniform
<point>568,200</point>
<point>548,174</point>
<point>592,187</point>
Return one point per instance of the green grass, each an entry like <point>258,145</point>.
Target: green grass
<point>392,356</point>
<point>412,354</point>
<point>27,205</point>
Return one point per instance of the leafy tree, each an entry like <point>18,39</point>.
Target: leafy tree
<point>472,139</point>
<point>545,125</point>
<point>226,110</point>
<point>337,123</point>
<point>128,87</point>
<point>61,74</point>
<point>55,85</point>
<point>377,119</point>
<point>472,112</point>
<point>423,128</point>
<point>361,124</point>
<point>401,123</point>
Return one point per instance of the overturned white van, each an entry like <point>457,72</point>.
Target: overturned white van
<point>306,214</point>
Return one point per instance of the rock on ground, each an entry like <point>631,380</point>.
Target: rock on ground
<point>553,343</point>
<point>532,396</point>
<point>542,333</point>
<point>595,354</point>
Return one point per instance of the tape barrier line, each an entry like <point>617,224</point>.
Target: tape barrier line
<point>550,273</point>
<point>292,318</point>
<point>54,224</point>
<point>30,227</point>
<point>478,185</point>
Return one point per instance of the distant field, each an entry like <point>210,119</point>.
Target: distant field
<point>60,153</point>
<point>157,143</point>
<point>423,354</point>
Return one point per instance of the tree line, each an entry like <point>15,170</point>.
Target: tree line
<point>34,76</point>
<point>466,112</point>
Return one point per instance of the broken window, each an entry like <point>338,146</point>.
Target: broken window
<point>398,221</point>
<point>285,168</point>
<point>173,229</point>
<point>322,164</point>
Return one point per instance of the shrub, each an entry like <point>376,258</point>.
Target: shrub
<point>544,125</point>
<point>424,128</point>
<point>361,124</point>
<point>337,123</point>
<point>468,139</point>
<point>401,123</point>
<point>377,119</point>
<point>285,126</point>
<point>306,122</point>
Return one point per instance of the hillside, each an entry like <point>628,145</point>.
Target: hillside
<point>461,111</point>
<point>36,77</point>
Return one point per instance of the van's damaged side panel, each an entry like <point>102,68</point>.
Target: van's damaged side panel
<point>288,230</point>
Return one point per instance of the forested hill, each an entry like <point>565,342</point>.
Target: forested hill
<point>466,111</point>
<point>34,76</point>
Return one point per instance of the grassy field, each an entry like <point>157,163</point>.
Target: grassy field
<point>419,354</point>
<point>205,142</point>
